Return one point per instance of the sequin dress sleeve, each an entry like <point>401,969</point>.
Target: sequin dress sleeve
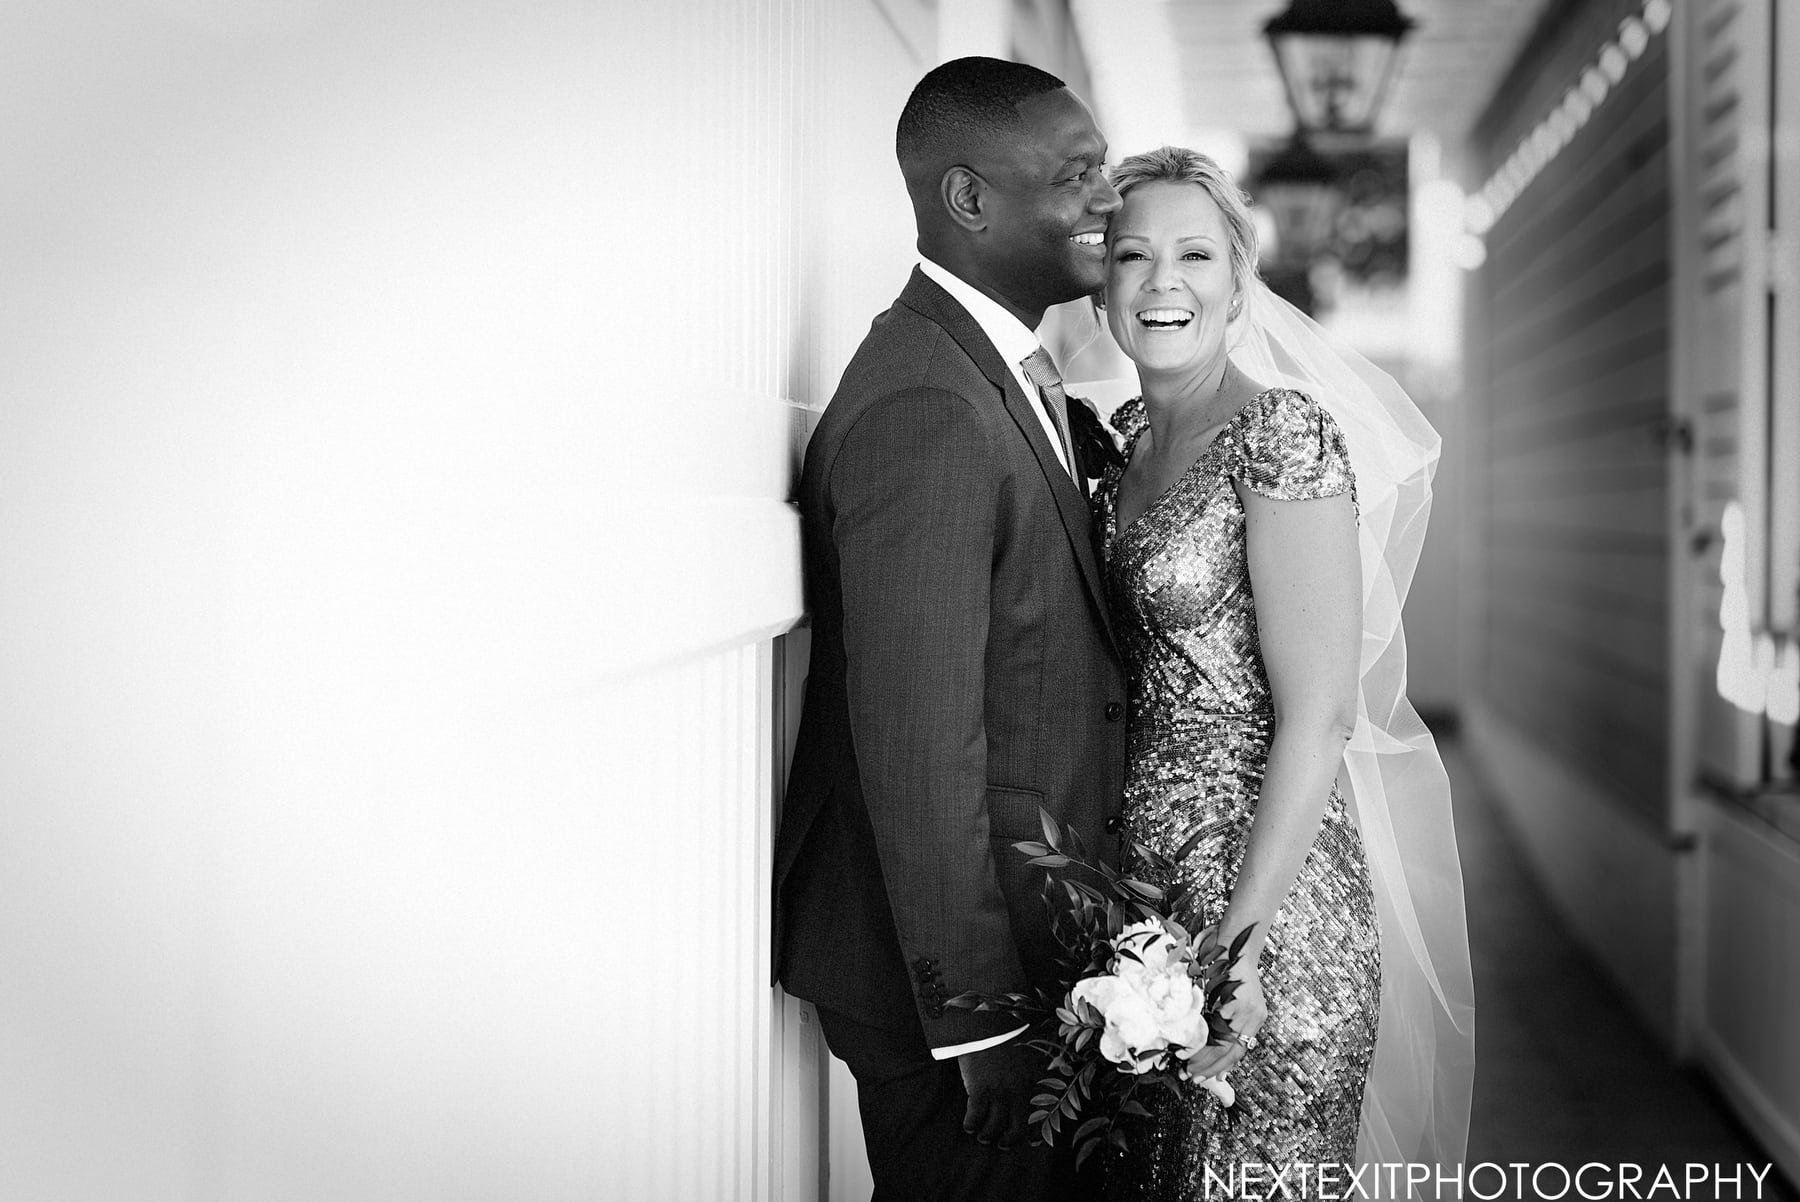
<point>1293,450</point>
<point>1128,419</point>
<point>1201,721</point>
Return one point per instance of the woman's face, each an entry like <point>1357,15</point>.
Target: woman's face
<point>1168,281</point>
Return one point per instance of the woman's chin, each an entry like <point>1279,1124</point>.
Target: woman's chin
<point>1162,357</point>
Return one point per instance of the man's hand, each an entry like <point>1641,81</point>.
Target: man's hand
<point>999,1082</point>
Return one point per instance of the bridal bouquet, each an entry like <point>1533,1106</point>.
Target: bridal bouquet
<point>1139,994</point>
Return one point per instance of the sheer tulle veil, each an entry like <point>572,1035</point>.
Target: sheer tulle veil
<point>1416,1106</point>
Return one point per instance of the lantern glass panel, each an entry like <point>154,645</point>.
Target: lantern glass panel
<point>1335,81</point>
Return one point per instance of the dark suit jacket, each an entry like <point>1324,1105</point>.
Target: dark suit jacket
<point>962,675</point>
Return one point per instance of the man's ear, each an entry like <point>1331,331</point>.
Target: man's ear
<point>964,194</point>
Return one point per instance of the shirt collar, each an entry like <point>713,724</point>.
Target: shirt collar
<point>1010,336</point>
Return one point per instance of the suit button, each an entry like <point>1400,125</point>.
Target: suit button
<point>1115,824</point>
<point>934,1012</point>
<point>1114,711</point>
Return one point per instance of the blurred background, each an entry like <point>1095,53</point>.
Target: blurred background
<point>402,628</point>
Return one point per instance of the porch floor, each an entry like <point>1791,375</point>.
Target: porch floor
<point>1565,1071</point>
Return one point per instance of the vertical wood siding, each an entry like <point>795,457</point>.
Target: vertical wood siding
<point>401,404</point>
<point>1574,343</point>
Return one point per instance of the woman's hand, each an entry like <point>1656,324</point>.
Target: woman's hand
<point>1246,1012</point>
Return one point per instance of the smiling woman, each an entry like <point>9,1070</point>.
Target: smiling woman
<point>1172,290</point>
<point>1272,486</point>
<point>1180,262</point>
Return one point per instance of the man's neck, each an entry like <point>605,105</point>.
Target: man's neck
<point>970,273</point>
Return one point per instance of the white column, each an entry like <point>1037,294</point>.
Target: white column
<point>1784,416</point>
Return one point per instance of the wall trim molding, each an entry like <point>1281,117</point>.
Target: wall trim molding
<point>1746,992</point>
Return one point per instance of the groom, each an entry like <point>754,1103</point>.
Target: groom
<point>963,673</point>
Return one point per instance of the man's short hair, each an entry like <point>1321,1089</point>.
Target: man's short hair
<point>960,105</point>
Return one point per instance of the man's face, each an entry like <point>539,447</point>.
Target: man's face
<point>1048,206</point>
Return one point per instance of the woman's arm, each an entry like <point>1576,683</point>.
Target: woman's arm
<point>1306,575</point>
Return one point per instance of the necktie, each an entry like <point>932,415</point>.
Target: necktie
<point>1040,369</point>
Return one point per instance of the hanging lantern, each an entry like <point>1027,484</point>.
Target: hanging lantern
<point>1337,59</point>
<point>1299,188</point>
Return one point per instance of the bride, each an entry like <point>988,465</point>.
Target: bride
<point>1259,541</point>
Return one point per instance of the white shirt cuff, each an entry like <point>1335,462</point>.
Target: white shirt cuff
<point>980,1045</point>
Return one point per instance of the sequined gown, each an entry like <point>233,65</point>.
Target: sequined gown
<point>1201,721</point>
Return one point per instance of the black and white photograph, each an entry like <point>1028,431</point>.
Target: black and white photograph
<point>899,600</point>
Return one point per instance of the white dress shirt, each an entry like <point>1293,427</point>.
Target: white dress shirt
<point>1015,342</point>
<point>1010,336</point>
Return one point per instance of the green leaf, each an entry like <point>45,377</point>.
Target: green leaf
<point>1050,861</point>
<point>1149,856</point>
<point>1052,831</point>
<point>1116,1137</point>
<point>1084,1151</point>
<point>1043,1099</point>
<point>1237,945</point>
<point>1134,1108</point>
<point>1088,892</point>
<point>1031,849</point>
<point>1091,1128</point>
<point>1165,1082</point>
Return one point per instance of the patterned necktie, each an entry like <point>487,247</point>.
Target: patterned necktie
<point>1040,369</point>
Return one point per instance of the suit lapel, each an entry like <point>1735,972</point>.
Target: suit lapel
<point>930,301</point>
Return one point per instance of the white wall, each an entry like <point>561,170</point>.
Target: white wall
<point>397,406</point>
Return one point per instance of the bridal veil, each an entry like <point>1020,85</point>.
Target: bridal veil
<point>1416,1104</point>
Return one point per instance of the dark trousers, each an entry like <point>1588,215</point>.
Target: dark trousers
<point>912,1115</point>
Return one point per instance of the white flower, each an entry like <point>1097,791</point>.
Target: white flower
<point>1131,1038</point>
<point>1179,1006</point>
<point>1144,950</point>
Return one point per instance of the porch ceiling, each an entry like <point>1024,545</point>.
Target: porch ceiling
<point>1207,63</point>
